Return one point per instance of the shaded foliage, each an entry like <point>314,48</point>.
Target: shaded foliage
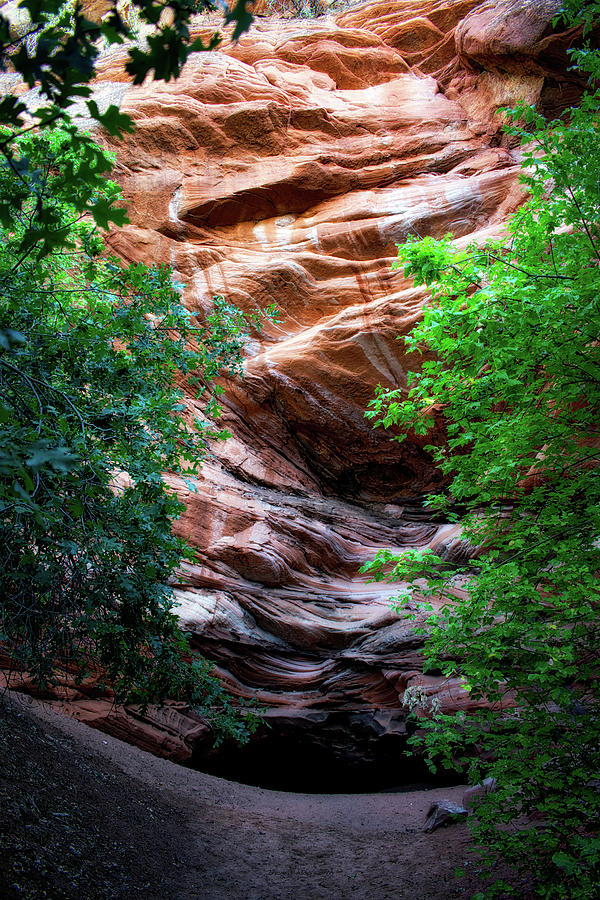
<point>91,417</point>
<point>55,48</point>
<point>90,355</point>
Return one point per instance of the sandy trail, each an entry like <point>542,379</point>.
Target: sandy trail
<point>227,840</point>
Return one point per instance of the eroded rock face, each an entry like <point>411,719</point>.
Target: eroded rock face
<point>284,170</point>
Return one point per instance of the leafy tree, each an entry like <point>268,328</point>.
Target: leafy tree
<point>91,417</point>
<point>90,356</point>
<point>514,396</point>
<point>56,50</point>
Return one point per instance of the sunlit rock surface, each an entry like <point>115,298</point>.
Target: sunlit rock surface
<point>283,170</point>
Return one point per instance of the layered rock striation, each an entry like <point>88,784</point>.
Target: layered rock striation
<point>283,170</point>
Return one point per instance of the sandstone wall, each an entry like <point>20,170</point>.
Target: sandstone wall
<point>284,169</point>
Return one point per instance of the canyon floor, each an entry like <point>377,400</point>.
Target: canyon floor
<point>85,816</point>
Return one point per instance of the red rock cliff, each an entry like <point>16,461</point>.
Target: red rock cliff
<point>283,170</point>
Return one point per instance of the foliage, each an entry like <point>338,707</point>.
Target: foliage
<point>58,47</point>
<point>90,415</point>
<point>56,50</point>
<point>91,418</point>
<point>301,9</point>
<point>514,392</point>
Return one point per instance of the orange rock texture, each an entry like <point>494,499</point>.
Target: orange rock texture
<point>283,170</point>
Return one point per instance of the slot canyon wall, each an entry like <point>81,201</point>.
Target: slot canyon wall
<point>283,170</point>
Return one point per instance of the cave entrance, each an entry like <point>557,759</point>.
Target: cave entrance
<point>300,764</point>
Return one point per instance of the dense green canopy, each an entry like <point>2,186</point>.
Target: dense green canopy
<point>90,414</point>
<point>515,393</point>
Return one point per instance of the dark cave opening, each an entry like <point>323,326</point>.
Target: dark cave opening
<point>296,762</point>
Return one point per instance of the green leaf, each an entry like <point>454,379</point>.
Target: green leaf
<point>112,120</point>
<point>59,458</point>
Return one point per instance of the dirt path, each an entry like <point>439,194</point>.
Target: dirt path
<point>111,821</point>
